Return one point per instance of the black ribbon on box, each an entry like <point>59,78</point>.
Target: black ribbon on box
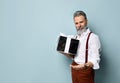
<point>67,45</point>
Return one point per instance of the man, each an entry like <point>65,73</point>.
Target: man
<point>82,68</point>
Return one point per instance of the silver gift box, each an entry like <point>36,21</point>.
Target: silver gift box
<point>67,45</point>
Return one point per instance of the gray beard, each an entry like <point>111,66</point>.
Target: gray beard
<point>79,32</point>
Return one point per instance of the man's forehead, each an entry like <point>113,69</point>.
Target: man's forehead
<point>79,18</point>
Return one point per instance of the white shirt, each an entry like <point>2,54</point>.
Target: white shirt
<point>93,49</point>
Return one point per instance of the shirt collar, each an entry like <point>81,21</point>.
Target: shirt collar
<point>86,32</point>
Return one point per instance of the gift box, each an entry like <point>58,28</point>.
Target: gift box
<point>67,45</point>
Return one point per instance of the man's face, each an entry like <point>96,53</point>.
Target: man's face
<point>80,22</point>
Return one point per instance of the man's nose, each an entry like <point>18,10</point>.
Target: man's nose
<point>79,25</point>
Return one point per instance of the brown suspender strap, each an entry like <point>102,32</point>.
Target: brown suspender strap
<point>86,53</point>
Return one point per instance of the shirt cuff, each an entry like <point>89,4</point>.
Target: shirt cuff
<point>95,64</point>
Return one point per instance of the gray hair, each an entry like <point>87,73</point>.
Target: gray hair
<point>80,13</point>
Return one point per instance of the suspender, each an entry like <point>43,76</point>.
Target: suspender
<point>86,53</point>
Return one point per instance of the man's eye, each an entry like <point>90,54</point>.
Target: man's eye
<point>76,23</point>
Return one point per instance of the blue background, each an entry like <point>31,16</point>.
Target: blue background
<point>28,38</point>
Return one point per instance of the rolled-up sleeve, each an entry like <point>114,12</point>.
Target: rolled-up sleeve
<point>94,51</point>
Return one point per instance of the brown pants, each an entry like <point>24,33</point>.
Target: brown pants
<point>82,75</point>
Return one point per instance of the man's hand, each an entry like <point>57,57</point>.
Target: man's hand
<point>77,67</point>
<point>89,64</point>
<point>82,66</point>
